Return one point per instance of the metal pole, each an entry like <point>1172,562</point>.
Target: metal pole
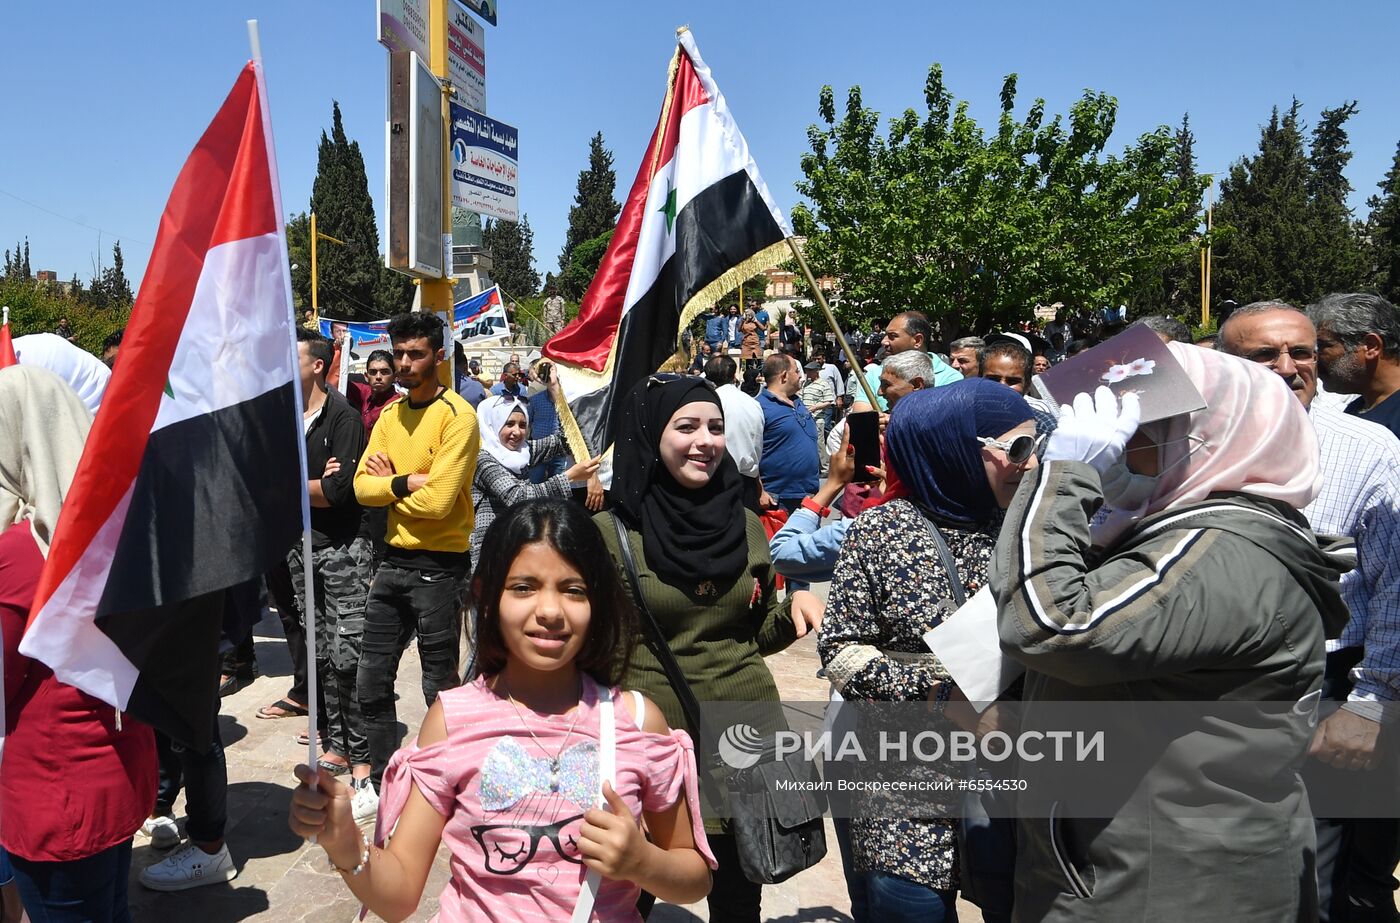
<point>851,357</point>
<point>1205,292</point>
<point>437,293</point>
<point>315,305</point>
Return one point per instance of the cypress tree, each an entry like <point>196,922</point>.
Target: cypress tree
<point>595,210</point>
<point>511,247</point>
<point>1337,254</point>
<point>1383,233</point>
<point>1264,204</point>
<point>349,274</point>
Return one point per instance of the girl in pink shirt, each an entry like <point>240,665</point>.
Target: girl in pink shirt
<point>507,769</point>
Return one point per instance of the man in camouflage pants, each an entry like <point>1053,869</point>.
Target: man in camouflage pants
<point>341,552</point>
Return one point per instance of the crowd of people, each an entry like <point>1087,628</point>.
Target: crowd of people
<point>1174,560</point>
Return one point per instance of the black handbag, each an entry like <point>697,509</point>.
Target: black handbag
<point>776,805</point>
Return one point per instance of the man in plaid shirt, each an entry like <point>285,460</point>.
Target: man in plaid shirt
<point>1360,498</point>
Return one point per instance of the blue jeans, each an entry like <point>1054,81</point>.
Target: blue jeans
<point>91,890</point>
<point>898,900</point>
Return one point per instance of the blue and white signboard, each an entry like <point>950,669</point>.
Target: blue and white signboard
<point>485,165</point>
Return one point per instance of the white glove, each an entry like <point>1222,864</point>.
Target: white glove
<point>1095,430</point>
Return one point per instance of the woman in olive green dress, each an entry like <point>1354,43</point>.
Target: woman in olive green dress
<point>704,571</point>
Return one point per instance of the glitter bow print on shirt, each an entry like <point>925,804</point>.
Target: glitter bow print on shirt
<point>510,774</point>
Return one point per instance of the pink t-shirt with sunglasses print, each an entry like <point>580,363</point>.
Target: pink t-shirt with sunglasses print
<point>513,821</point>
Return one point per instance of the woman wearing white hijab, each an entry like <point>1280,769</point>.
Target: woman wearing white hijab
<point>77,780</point>
<point>1213,592</point>
<point>506,452</point>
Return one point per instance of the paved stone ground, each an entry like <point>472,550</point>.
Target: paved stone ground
<point>282,879</point>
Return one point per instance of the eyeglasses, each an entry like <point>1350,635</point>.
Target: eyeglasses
<point>509,847</point>
<point>1270,355</point>
<point>1018,451</point>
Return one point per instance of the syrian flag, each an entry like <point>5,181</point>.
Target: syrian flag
<point>698,221</point>
<point>191,479</point>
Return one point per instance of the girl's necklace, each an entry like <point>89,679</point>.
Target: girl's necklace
<point>559,755</point>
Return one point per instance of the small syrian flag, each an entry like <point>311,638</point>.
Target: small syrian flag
<point>698,221</point>
<point>191,479</point>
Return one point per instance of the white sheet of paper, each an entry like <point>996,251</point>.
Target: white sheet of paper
<point>969,647</point>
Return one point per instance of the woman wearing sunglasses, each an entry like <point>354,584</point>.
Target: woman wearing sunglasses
<point>1211,591</point>
<point>954,457</point>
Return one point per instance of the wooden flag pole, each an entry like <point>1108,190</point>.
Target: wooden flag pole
<point>856,368</point>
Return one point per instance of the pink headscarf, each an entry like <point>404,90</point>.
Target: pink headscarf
<point>1254,436</point>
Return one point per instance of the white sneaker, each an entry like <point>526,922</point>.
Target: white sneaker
<point>365,805</point>
<point>190,867</point>
<point>162,830</point>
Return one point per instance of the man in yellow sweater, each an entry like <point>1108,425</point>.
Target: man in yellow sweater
<point>419,463</point>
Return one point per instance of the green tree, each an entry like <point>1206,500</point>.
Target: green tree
<point>512,250</point>
<point>1289,234</point>
<point>1383,233</point>
<point>594,210</point>
<point>299,258</point>
<point>348,280</point>
<point>586,256</point>
<point>25,272</point>
<point>114,281</point>
<point>977,228</point>
<point>1179,291</point>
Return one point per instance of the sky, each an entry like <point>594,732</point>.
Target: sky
<point>107,100</point>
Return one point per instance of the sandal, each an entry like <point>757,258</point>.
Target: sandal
<point>305,741</point>
<point>282,709</point>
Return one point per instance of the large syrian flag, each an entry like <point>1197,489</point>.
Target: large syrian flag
<point>190,482</point>
<point>698,221</point>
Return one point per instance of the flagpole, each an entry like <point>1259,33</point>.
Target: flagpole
<point>309,606</point>
<point>856,367</point>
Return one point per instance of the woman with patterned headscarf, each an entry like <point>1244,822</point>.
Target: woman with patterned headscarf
<point>1209,588</point>
<point>77,779</point>
<point>954,456</point>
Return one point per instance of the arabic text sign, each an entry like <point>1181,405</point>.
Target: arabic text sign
<point>403,26</point>
<point>466,59</point>
<point>485,165</point>
<point>486,9</point>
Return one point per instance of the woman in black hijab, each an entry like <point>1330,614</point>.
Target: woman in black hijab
<point>705,575</point>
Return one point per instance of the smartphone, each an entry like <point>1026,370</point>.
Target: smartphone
<point>863,432</point>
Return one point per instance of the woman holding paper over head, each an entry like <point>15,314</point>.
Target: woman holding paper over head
<point>1212,590</point>
<point>954,456</point>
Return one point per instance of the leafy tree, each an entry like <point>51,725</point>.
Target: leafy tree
<point>594,210</point>
<point>512,250</point>
<point>1289,232</point>
<point>977,228</point>
<point>37,308</point>
<point>1383,233</point>
<point>348,281</point>
<point>299,258</point>
<point>75,289</point>
<point>25,272</point>
<point>584,265</point>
